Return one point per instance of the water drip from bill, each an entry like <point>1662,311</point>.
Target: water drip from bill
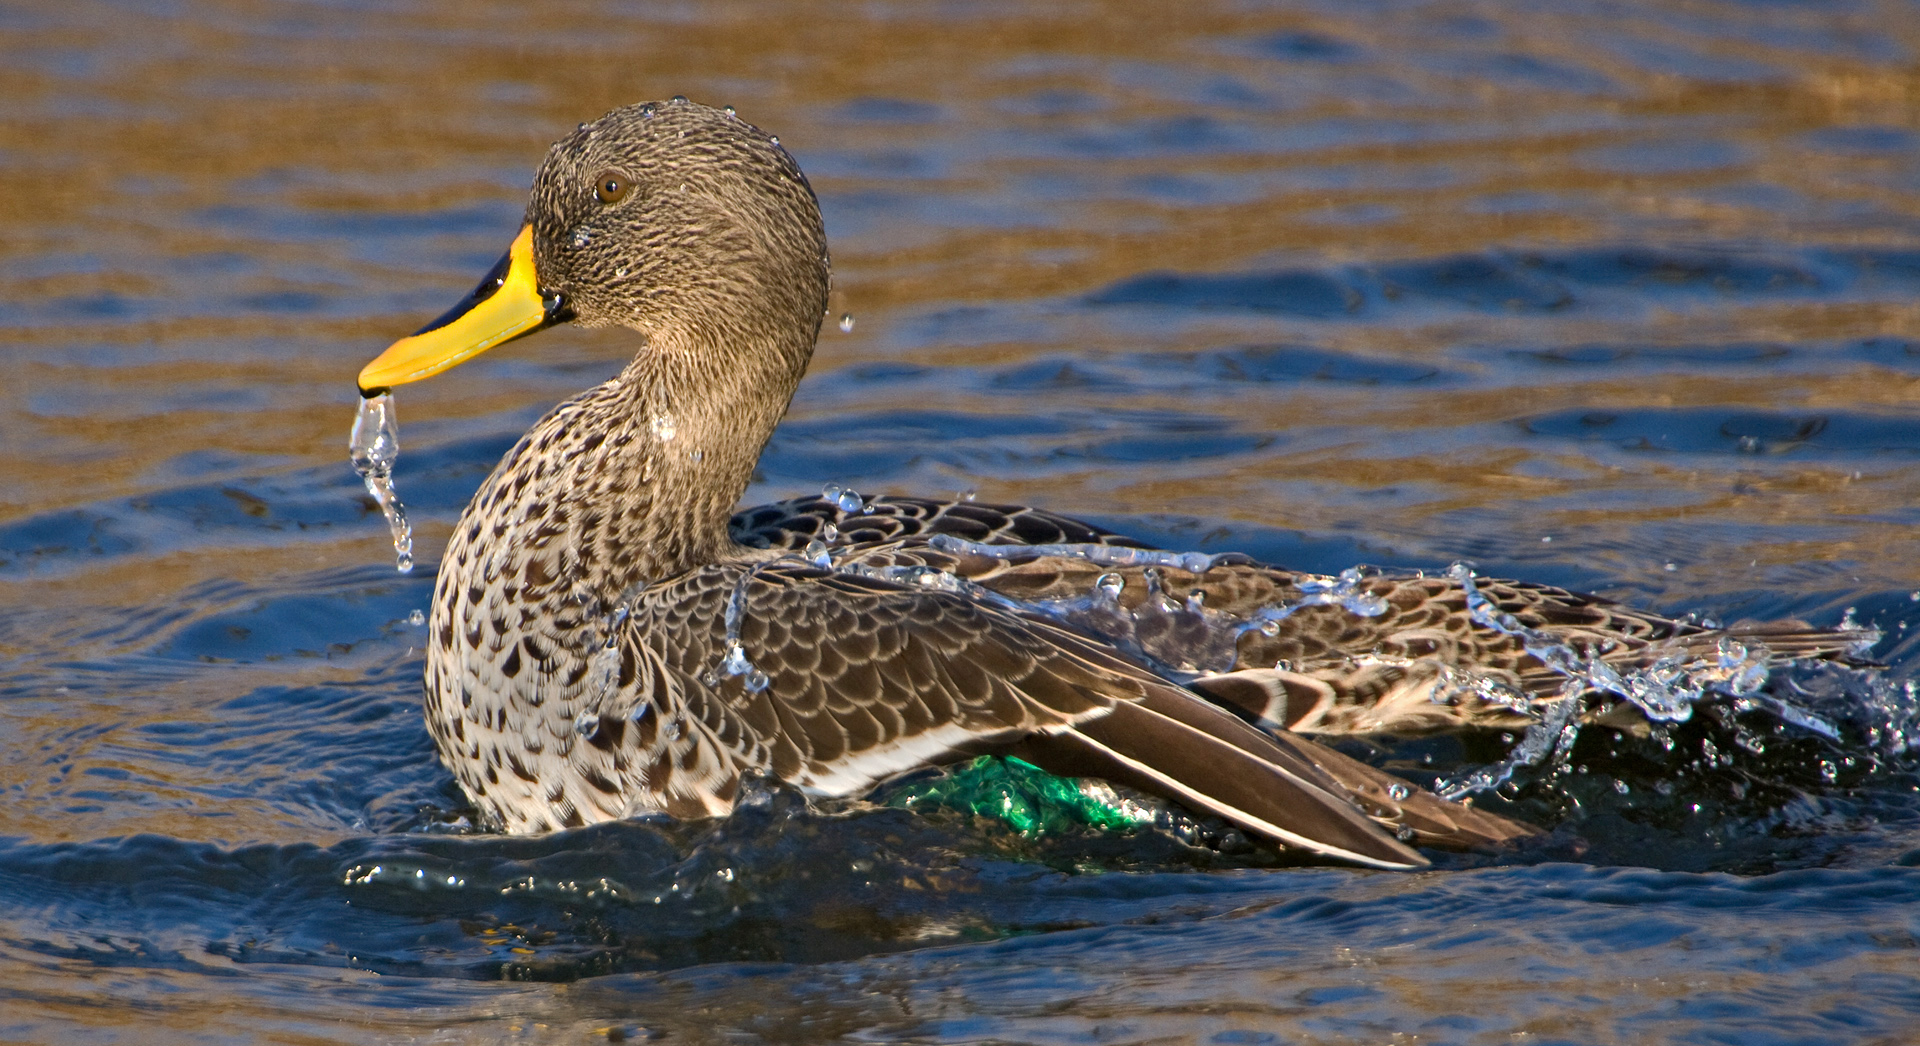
<point>374,447</point>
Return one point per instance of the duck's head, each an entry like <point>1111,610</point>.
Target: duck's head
<point>679,221</point>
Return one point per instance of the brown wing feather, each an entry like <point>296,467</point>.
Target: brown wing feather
<point>791,524</point>
<point>1329,670</point>
<point>867,678</point>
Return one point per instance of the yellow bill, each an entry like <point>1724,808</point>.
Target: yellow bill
<point>505,306</point>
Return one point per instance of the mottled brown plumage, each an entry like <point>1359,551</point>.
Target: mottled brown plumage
<point>607,642</point>
<point>1402,672</point>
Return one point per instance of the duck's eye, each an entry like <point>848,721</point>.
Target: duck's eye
<point>611,187</point>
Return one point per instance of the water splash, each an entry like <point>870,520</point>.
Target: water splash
<point>1661,689</point>
<point>374,447</point>
<point>603,666</point>
<point>1667,690</point>
<point>1194,639</point>
<point>1100,555</point>
<point>1342,590</point>
<point>735,662</point>
<point>1554,734</point>
<point>1182,637</point>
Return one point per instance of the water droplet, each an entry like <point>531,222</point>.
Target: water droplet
<point>1621,786</point>
<point>582,237</point>
<point>846,499</point>
<point>1398,792</point>
<point>1403,833</point>
<point>663,427</point>
<point>846,322</point>
<point>374,448</point>
<point>603,670</point>
<point>829,533</point>
<point>819,555</point>
<point>1670,567</point>
<point>736,663</point>
<point>729,111</point>
<point>1548,540</point>
<point>696,455</point>
<point>1195,562</point>
<point>620,273</point>
<point>417,618</point>
<point>774,138</point>
<point>586,723</point>
<point>1110,585</point>
<point>679,99</point>
<point>969,494</point>
<point>757,681</point>
<point>646,111</point>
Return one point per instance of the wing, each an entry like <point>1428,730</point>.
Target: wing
<point>1328,668</point>
<point>863,678</point>
<point>792,524</point>
<point>866,678</point>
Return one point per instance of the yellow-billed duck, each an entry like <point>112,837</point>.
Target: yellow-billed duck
<point>608,639</point>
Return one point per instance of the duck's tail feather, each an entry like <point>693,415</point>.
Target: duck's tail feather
<point>1434,821</point>
<point>1415,697</point>
<point>1795,640</point>
<point>1281,787</point>
<point>1156,755</point>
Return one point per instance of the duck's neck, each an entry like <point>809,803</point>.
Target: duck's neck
<point>634,480</point>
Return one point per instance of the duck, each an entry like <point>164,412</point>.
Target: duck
<point>610,639</point>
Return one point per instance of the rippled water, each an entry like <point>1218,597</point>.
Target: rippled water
<point>1617,297</point>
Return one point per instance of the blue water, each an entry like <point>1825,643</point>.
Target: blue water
<point>1618,297</point>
